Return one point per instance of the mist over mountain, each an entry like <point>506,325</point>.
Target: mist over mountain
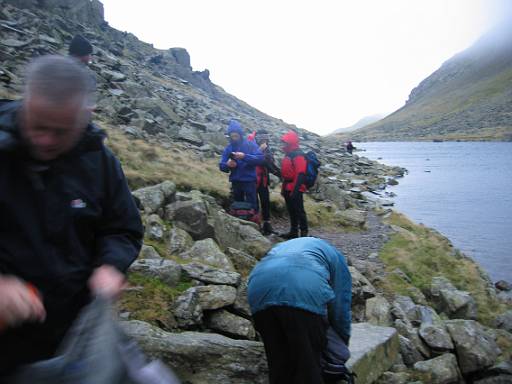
<point>468,98</point>
<point>367,120</point>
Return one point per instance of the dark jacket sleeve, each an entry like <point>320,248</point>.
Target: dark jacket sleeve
<point>270,164</point>
<point>340,313</point>
<point>120,232</point>
<point>225,157</point>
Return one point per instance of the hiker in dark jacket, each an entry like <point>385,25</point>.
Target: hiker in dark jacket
<point>263,171</point>
<point>81,49</point>
<point>298,289</point>
<point>240,159</point>
<point>69,227</point>
<point>350,147</point>
<point>293,172</point>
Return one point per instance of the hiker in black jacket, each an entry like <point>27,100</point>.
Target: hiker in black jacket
<point>81,49</point>
<point>263,171</point>
<point>69,227</point>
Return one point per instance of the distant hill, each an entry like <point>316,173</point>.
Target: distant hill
<point>468,98</point>
<point>367,120</point>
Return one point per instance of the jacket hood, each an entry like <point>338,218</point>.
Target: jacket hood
<point>235,127</point>
<point>252,137</point>
<point>291,141</point>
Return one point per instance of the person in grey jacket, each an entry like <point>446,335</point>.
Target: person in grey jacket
<point>298,289</point>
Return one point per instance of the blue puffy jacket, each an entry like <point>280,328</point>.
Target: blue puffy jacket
<point>246,168</point>
<point>306,273</point>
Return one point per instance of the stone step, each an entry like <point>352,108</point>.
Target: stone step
<point>206,358</point>
<point>203,358</point>
<point>373,351</point>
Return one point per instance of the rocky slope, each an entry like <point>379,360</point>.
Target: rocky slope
<point>468,98</point>
<point>186,302</point>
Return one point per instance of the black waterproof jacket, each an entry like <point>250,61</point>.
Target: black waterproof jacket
<point>58,221</point>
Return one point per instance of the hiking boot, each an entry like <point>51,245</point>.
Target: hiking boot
<point>304,233</point>
<point>290,235</point>
<point>267,228</point>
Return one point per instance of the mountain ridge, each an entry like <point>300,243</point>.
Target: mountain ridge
<point>361,123</point>
<point>468,98</point>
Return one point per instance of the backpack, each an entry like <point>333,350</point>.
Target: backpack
<point>312,169</point>
<point>334,357</point>
<point>312,166</point>
<point>244,211</point>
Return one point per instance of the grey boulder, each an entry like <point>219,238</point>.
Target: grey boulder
<point>448,299</point>
<point>476,350</point>
<point>203,358</point>
<point>210,275</point>
<point>178,241</point>
<point>231,325</point>
<point>166,270</point>
<point>208,252</point>
<point>191,216</point>
<point>187,309</point>
<point>155,197</point>
<point>378,311</point>
<point>215,296</point>
<point>440,370</point>
<point>373,351</point>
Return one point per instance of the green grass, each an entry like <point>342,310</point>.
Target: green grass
<point>422,253</point>
<point>147,164</point>
<point>151,300</point>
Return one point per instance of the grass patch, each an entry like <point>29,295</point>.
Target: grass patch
<point>147,164</point>
<point>149,299</point>
<point>423,253</point>
<point>162,250</point>
<point>504,341</point>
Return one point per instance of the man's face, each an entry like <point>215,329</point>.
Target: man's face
<point>84,59</point>
<point>51,131</point>
<point>234,136</point>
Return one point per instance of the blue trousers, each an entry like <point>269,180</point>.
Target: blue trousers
<point>245,191</point>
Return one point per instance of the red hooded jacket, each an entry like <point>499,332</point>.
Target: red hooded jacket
<point>294,163</point>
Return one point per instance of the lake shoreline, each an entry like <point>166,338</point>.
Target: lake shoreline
<point>446,189</point>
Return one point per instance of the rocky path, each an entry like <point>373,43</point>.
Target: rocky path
<point>357,246</point>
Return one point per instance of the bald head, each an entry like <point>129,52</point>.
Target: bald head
<point>58,80</point>
<point>56,106</point>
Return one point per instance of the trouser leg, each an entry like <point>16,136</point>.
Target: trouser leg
<point>301,212</point>
<point>276,348</point>
<point>292,213</point>
<point>264,197</point>
<point>237,191</point>
<point>250,194</point>
<point>294,340</point>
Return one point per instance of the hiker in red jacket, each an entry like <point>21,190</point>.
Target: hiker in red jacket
<point>293,172</point>
<point>263,170</point>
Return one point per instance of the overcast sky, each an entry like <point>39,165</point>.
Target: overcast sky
<point>320,64</point>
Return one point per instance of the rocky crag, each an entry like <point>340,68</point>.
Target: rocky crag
<point>186,303</point>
